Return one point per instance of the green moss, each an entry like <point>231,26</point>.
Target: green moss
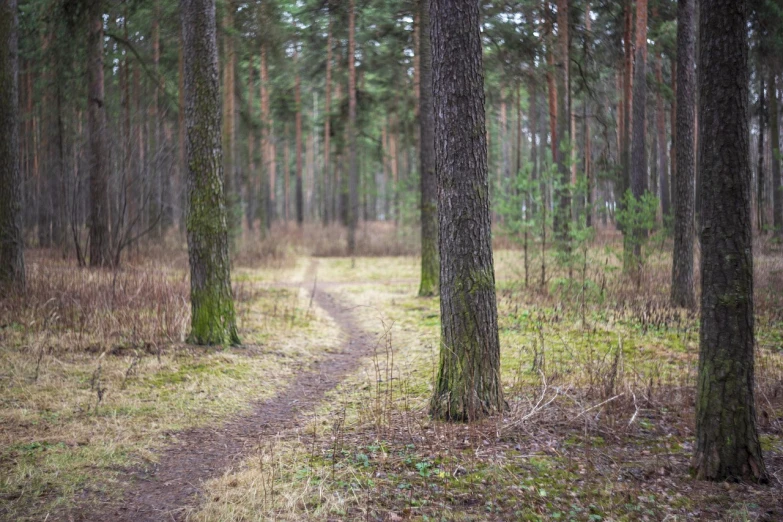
<point>214,319</point>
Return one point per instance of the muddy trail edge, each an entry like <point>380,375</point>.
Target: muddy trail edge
<point>165,490</point>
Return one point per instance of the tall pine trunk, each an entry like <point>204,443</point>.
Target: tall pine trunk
<point>589,176</point>
<point>229,124</point>
<point>760,176</point>
<point>299,195</point>
<point>267,150</point>
<point>660,129</point>
<point>682,292</point>
<point>353,174</point>
<point>468,384</point>
<point>156,217</point>
<point>625,142</point>
<point>639,133</point>
<point>562,215</point>
<point>430,262</point>
<point>727,444</point>
<point>213,320</point>
<point>100,241</point>
<point>180,203</point>
<point>251,178</point>
<point>11,243</point>
<point>774,136</point>
<point>327,170</point>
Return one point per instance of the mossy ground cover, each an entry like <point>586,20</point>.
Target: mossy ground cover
<point>599,427</point>
<point>79,408</point>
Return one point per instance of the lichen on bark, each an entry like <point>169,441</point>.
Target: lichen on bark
<point>213,318</point>
<point>468,383</point>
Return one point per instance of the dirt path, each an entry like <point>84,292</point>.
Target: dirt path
<point>175,482</point>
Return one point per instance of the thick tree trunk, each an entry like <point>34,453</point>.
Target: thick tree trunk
<point>682,292</point>
<point>353,173</point>
<point>213,319</point>
<point>11,242</point>
<point>468,384</point>
<point>727,443</point>
<point>100,241</point>
<point>639,140</point>
<point>774,136</point>
<point>430,259</point>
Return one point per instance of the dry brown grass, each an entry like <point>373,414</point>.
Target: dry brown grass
<point>94,376</point>
<point>600,424</point>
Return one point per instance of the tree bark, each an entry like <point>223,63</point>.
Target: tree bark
<point>353,174</point>
<point>156,177</point>
<point>287,174</point>
<point>267,150</point>
<point>660,127</point>
<point>229,124</point>
<point>589,176</point>
<point>682,292</point>
<point>727,444</point>
<point>625,153</point>
<point>213,319</point>
<point>12,273</point>
<point>181,132</point>
<point>533,110</point>
<point>299,188</point>
<point>550,82</point>
<point>468,384</point>
<point>100,242</point>
<point>774,136</point>
<point>639,140</point>
<point>430,259</point>
<point>760,176</point>
<point>562,216</point>
<point>327,171</point>
<point>673,147</point>
<point>250,179</point>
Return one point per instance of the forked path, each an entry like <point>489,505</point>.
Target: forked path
<point>165,492</point>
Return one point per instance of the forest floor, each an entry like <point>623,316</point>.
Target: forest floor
<point>322,413</point>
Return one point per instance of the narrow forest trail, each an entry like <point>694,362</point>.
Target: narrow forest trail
<point>174,483</point>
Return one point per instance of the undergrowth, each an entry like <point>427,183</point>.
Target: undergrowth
<point>599,427</point>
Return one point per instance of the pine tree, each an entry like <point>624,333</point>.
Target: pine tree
<point>430,260</point>
<point>11,242</point>
<point>682,292</point>
<point>213,319</point>
<point>727,443</point>
<point>468,383</point>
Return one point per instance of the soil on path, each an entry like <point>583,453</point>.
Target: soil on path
<point>174,484</point>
